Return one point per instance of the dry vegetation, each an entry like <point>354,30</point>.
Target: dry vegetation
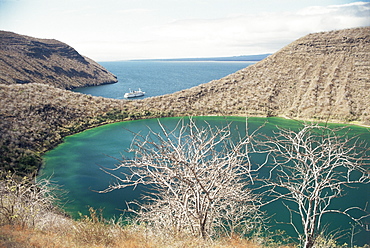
<point>35,118</point>
<point>11,236</point>
<point>28,218</point>
<point>320,76</point>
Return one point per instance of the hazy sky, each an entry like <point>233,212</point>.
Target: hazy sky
<point>107,30</point>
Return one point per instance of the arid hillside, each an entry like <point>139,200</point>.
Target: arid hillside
<point>320,76</point>
<point>35,117</point>
<point>25,59</point>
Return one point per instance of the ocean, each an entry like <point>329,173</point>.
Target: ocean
<point>161,77</point>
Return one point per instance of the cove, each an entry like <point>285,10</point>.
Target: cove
<point>75,165</point>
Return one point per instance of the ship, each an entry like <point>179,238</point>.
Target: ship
<point>134,93</point>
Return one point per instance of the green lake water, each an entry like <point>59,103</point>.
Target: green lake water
<point>75,164</point>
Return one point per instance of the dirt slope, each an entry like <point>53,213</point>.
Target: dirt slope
<point>25,59</point>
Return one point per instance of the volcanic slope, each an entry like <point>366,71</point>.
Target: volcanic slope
<point>25,59</point>
<point>323,76</point>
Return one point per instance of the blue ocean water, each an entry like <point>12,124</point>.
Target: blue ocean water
<point>161,77</point>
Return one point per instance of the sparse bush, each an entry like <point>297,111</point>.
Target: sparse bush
<point>24,202</point>
<point>94,229</point>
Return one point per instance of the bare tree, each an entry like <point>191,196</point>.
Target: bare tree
<point>312,167</point>
<point>198,178</point>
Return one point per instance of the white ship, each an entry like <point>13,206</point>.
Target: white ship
<point>134,93</point>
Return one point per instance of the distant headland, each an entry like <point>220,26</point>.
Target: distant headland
<point>257,57</point>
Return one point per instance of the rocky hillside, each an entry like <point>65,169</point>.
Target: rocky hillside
<point>35,117</point>
<point>320,76</point>
<point>323,76</point>
<point>25,59</point>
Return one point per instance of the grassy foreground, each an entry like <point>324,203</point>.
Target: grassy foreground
<point>29,218</point>
<point>90,236</point>
<point>91,231</point>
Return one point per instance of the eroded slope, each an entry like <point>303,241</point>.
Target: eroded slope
<point>25,59</point>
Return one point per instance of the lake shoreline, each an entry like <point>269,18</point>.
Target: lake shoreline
<point>332,121</point>
<point>356,123</point>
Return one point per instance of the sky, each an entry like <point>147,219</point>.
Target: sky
<point>110,30</point>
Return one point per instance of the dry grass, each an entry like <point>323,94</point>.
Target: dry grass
<point>58,231</point>
<point>16,236</point>
<point>23,228</point>
<point>28,219</point>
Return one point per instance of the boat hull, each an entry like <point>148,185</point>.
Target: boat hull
<point>135,93</point>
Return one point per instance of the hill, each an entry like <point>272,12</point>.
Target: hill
<point>257,57</point>
<point>25,59</point>
<point>323,76</point>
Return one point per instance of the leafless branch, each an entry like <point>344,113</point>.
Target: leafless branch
<point>312,167</point>
<point>199,178</point>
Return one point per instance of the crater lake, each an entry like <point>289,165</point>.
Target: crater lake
<point>76,166</point>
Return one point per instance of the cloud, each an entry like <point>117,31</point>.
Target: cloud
<point>124,29</point>
<point>134,11</point>
<point>337,16</point>
<point>357,8</point>
<point>234,35</point>
<point>264,32</point>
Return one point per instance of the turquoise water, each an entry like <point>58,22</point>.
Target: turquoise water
<point>76,164</point>
<point>161,77</point>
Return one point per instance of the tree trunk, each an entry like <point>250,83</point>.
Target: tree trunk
<point>310,241</point>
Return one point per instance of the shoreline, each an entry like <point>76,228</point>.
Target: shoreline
<point>61,141</point>
<point>359,124</point>
<point>333,121</point>
<point>354,123</point>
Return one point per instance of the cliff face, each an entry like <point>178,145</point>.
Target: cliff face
<point>25,59</point>
<point>322,76</point>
